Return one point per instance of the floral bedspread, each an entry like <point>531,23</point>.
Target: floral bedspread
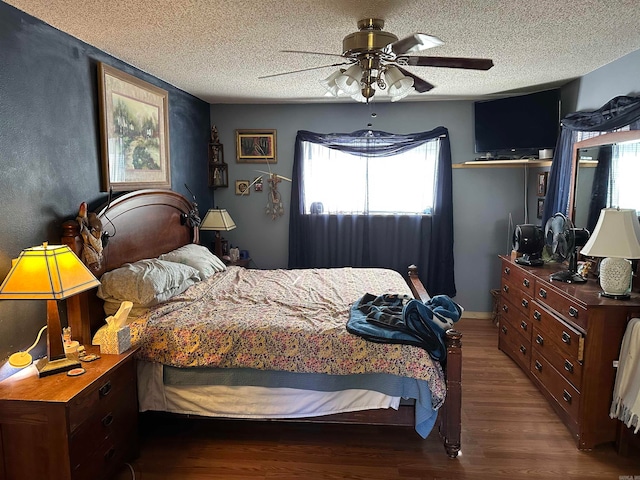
<point>288,320</point>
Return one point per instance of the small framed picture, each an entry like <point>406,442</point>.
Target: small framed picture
<point>242,187</point>
<point>540,207</point>
<point>256,146</point>
<point>542,184</point>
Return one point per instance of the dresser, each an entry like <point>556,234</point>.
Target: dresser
<point>565,337</point>
<point>62,427</point>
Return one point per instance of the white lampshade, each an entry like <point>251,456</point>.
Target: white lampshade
<point>349,81</point>
<point>617,238</point>
<point>399,85</point>
<point>330,85</point>
<point>217,219</point>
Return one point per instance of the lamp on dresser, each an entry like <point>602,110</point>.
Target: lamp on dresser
<point>217,219</point>
<point>617,239</point>
<point>51,273</point>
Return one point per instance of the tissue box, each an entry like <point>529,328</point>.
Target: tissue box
<point>116,341</point>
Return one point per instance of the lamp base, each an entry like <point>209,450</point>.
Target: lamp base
<point>615,296</point>
<point>48,367</point>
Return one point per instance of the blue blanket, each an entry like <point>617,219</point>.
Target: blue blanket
<point>401,319</point>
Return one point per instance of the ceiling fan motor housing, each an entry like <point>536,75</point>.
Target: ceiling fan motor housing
<point>370,38</point>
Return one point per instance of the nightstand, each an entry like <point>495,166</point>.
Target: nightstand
<point>242,262</point>
<point>61,427</point>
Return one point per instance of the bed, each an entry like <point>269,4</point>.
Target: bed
<point>299,372</point>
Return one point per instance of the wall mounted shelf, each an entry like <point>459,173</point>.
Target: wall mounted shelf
<point>502,164</point>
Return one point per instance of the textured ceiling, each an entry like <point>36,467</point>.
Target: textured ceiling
<point>216,50</point>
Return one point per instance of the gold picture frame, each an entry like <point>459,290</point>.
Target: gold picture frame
<point>242,187</point>
<point>134,123</point>
<point>256,146</point>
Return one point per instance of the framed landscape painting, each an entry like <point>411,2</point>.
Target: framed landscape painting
<point>256,146</point>
<point>134,124</point>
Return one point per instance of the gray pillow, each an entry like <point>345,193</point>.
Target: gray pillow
<point>198,257</point>
<point>146,282</point>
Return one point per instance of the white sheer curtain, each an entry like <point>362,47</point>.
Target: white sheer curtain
<point>625,172</point>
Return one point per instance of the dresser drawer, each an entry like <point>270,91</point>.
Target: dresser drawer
<point>518,297</point>
<point>518,277</point>
<point>515,318</point>
<point>568,339</point>
<point>563,306</point>
<point>515,345</point>
<point>101,397</point>
<point>570,368</point>
<point>564,393</point>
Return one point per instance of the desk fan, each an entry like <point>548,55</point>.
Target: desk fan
<point>564,240</point>
<point>529,240</point>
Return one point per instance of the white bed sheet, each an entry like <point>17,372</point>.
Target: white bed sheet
<point>250,402</point>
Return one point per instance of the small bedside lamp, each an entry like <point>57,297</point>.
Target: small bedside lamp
<point>51,273</point>
<point>617,238</point>
<point>217,219</point>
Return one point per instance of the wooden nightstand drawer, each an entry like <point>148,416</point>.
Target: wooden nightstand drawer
<point>102,396</point>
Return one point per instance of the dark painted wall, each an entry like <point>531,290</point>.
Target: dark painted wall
<point>50,149</point>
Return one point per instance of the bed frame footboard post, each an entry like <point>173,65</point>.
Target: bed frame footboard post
<point>450,425</point>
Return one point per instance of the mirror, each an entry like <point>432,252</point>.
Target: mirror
<point>592,158</point>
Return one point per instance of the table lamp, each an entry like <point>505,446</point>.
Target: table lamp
<point>617,238</point>
<point>217,219</point>
<point>51,273</point>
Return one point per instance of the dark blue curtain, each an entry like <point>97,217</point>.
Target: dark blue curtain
<point>616,113</point>
<point>388,241</point>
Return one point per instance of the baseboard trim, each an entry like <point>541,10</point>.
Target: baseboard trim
<point>477,315</point>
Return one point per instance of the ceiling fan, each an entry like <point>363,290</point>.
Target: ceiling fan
<point>375,61</point>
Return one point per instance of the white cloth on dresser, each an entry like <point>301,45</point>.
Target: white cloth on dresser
<point>626,392</point>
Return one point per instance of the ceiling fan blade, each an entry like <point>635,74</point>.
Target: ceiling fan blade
<point>413,43</point>
<point>305,70</point>
<point>448,62</point>
<point>312,53</point>
<point>419,84</point>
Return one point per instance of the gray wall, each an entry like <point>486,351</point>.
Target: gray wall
<point>483,198</point>
<point>50,149</point>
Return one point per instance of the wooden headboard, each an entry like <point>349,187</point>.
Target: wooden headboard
<point>137,225</point>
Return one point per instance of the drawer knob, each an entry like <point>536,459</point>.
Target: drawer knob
<point>109,454</point>
<point>523,325</point>
<point>539,340</point>
<point>507,270</point>
<point>537,315</point>
<point>567,396</point>
<point>523,349</point>
<point>525,282</point>
<point>525,303</point>
<point>566,338</point>
<point>504,329</point>
<point>573,312</point>
<point>505,289</point>
<point>538,366</point>
<point>107,420</point>
<point>542,293</point>
<point>568,366</point>
<point>505,309</point>
<point>105,389</point>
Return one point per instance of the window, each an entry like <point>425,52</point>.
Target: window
<point>346,183</point>
<point>625,171</point>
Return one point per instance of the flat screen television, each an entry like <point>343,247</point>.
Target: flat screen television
<point>517,126</point>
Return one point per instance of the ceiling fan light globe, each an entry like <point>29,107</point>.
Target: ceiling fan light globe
<point>349,81</point>
<point>330,85</point>
<point>400,96</point>
<point>399,85</point>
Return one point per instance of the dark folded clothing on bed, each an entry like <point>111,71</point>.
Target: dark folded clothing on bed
<point>401,319</point>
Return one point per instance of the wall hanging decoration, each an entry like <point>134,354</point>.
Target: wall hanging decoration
<point>218,169</point>
<point>256,146</point>
<point>135,132</point>
<point>243,187</point>
<point>542,183</point>
<point>274,207</point>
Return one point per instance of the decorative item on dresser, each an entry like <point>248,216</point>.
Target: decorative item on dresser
<point>70,427</point>
<point>565,337</point>
<point>164,233</point>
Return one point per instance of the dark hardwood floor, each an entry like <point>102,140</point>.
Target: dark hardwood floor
<point>509,432</point>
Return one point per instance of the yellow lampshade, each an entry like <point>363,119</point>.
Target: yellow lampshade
<point>217,219</point>
<point>47,272</point>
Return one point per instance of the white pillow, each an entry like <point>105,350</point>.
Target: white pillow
<point>198,257</point>
<point>146,282</point>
